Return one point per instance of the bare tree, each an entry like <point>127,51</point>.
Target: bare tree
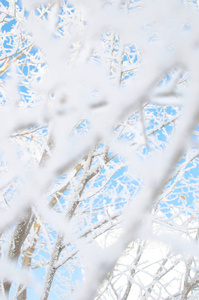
<point>99,149</point>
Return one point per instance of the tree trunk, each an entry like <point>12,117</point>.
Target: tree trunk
<point>19,236</point>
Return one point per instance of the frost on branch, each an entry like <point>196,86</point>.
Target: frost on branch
<point>99,149</point>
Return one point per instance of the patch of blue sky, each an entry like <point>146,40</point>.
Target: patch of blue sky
<point>62,202</point>
<point>67,8</point>
<point>26,69</point>
<point>19,4</point>
<point>5,3</point>
<point>120,172</point>
<point>172,111</point>
<point>161,117</point>
<point>82,127</point>
<point>38,11</point>
<point>166,210</point>
<point>131,54</point>
<point>120,203</point>
<point>10,22</point>
<point>165,80</point>
<point>184,193</point>
<point>114,190</point>
<point>101,201</point>
<point>77,274</point>
<point>8,45</point>
<point>162,135</point>
<point>146,150</point>
<point>92,204</point>
<point>193,170</point>
<point>190,175</point>
<point>33,52</point>
<point>31,74</point>
<point>127,136</point>
<point>32,294</point>
<point>127,75</point>
<point>25,93</point>
<point>38,274</point>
